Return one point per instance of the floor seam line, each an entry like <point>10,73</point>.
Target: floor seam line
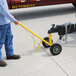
<point>56,63</point>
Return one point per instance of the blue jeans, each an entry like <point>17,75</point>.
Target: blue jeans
<point>6,39</point>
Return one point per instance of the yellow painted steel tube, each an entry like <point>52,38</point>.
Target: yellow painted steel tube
<point>34,34</point>
<point>34,42</point>
<point>50,39</point>
<point>38,46</point>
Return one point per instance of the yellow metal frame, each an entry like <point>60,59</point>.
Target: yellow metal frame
<point>50,37</point>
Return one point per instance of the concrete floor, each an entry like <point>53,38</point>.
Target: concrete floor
<point>41,63</point>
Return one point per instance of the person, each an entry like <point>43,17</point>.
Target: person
<point>6,36</point>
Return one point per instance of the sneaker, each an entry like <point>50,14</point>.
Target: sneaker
<point>2,63</point>
<point>13,57</point>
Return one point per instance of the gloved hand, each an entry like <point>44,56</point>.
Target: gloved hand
<point>16,22</point>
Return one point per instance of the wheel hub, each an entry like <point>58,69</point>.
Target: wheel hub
<point>56,49</point>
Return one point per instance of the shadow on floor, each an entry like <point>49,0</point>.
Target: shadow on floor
<point>24,14</point>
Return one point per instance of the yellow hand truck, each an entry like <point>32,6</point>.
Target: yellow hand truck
<point>55,48</point>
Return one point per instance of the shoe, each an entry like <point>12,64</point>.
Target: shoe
<point>2,63</point>
<point>13,57</point>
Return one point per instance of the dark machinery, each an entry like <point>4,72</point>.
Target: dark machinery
<point>63,29</point>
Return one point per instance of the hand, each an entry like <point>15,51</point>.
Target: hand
<point>16,22</point>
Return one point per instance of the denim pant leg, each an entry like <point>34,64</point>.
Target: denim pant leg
<point>0,52</point>
<point>2,37</point>
<point>8,41</point>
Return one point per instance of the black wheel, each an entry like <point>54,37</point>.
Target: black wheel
<point>44,44</point>
<point>55,49</point>
<point>74,4</point>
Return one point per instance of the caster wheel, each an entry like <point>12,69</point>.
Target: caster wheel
<point>55,49</point>
<point>44,44</point>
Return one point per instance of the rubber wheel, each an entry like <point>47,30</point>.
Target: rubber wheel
<point>44,44</point>
<point>55,49</point>
<point>74,4</point>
